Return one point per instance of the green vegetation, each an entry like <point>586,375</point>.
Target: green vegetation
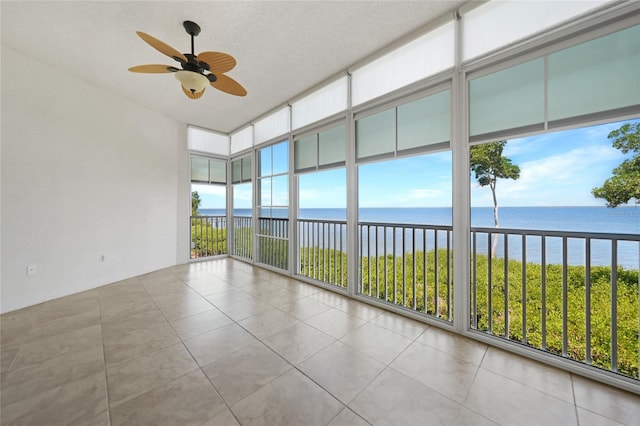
<point>195,203</point>
<point>496,321</point>
<point>382,278</point>
<point>207,239</point>
<point>625,182</point>
<point>324,265</point>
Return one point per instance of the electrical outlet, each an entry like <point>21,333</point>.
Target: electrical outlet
<point>31,269</point>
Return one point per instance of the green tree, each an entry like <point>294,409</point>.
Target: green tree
<point>489,165</point>
<point>195,203</point>
<point>625,182</point>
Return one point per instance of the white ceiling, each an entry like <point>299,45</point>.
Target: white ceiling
<point>282,47</point>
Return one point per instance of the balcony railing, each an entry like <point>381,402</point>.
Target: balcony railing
<point>409,266</point>
<point>322,250</point>
<point>571,294</point>
<point>273,242</point>
<point>208,236</point>
<point>243,237</point>
<point>566,293</point>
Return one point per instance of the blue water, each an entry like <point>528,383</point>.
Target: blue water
<point>621,220</point>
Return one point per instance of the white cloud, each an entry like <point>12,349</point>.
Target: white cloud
<point>560,179</point>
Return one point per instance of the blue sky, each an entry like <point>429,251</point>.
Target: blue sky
<point>556,169</point>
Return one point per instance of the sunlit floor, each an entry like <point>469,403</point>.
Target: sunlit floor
<point>225,343</point>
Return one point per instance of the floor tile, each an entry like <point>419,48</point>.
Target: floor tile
<point>547,379</point>
<point>243,372</point>
<point>298,342</point>
<point>209,285</point>
<point>137,340</point>
<point>7,356</point>
<point>304,308</point>
<point>186,309</point>
<point>360,310</point>
<point>302,288</point>
<point>57,324</point>
<point>218,343</point>
<point>267,323</point>
<point>348,418</point>
<point>508,402</point>
<point>245,308</point>
<point>228,297</point>
<point>401,325</point>
<point>223,419</point>
<point>616,404</point>
<point>377,342</point>
<point>133,377</point>
<point>335,323</point>
<point>280,297</point>
<point>126,305</point>
<point>441,372</point>
<point>201,323</point>
<point>144,319</point>
<point>458,346</point>
<point>68,404</point>
<point>185,401</point>
<point>588,418</point>
<point>394,399</point>
<point>329,298</point>
<point>290,400</point>
<point>341,370</point>
<point>53,372</point>
<point>15,325</point>
<point>469,418</point>
<point>184,296</point>
<point>46,348</point>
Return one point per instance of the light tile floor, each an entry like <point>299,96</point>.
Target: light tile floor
<point>225,343</point>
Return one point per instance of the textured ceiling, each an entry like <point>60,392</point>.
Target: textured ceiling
<point>282,47</point>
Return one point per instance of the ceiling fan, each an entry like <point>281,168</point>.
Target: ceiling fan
<point>197,71</point>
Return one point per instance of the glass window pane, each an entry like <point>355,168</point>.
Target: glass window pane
<point>376,134</point>
<point>247,169</point>
<point>242,198</point>
<point>281,158</point>
<point>332,146</point>
<point>264,189</point>
<point>306,152</point>
<point>217,171</point>
<point>266,165</point>
<point>323,195</point>
<point>595,76</point>
<point>236,171</point>
<point>280,191</point>
<point>507,99</point>
<point>199,169</point>
<point>425,121</point>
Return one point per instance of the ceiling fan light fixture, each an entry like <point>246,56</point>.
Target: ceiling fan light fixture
<point>192,81</point>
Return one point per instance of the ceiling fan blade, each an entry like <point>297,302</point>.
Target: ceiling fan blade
<point>153,69</point>
<point>191,94</point>
<point>228,85</point>
<point>162,47</point>
<point>217,61</point>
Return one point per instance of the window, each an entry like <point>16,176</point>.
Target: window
<point>419,125</point>
<point>320,150</point>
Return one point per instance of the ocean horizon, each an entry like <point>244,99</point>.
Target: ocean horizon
<point>588,219</point>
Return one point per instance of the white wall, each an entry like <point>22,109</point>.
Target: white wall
<point>84,173</point>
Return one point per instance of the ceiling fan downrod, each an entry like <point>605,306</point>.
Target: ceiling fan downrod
<point>193,30</point>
